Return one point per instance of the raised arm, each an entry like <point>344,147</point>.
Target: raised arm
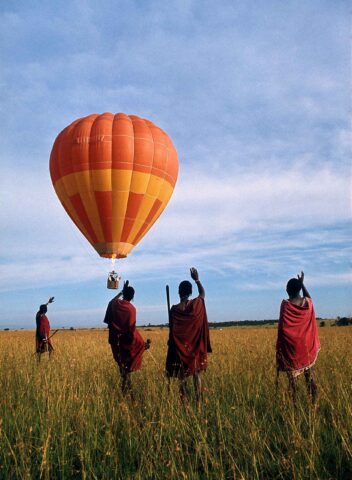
<point>195,277</point>
<point>125,285</point>
<point>51,299</point>
<point>304,290</point>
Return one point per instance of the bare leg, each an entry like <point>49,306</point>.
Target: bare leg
<point>42,348</point>
<point>292,387</point>
<point>197,382</point>
<point>311,385</point>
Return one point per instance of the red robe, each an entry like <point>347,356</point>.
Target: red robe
<point>126,342</point>
<point>298,341</point>
<point>42,335</point>
<point>189,342</point>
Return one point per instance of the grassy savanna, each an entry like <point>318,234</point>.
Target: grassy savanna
<point>66,418</point>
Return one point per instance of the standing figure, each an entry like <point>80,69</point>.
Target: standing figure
<point>126,342</point>
<point>189,342</point>
<point>298,341</point>
<point>42,334</point>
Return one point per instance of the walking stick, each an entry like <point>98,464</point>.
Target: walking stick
<point>168,300</point>
<point>169,316</point>
<point>35,353</point>
<point>153,358</point>
<point>53,334</point>
<point>147,347</point>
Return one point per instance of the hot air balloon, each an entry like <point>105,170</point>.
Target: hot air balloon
<point>114,175</point>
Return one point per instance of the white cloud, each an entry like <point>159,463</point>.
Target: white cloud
<point>205,207</point>
<point>209,220</point>
<point>210,208</point>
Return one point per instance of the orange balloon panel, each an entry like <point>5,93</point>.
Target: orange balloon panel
<point>114,175</point>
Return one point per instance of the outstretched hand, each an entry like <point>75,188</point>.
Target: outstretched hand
<point>194,274</point>
<point>51,299</point>
<point>301,277</point>
<point>147,344</point>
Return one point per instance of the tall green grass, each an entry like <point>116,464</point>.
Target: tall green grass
<point>66,418</point>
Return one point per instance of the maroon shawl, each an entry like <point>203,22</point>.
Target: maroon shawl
<point>127,344</point>
<point>298,341</point>
<point>189,342</point>
<point>42,342</point>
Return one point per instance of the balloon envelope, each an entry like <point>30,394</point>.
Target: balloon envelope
<point>114,175</point>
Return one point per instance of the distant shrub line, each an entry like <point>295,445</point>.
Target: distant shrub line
<point>339,322</point>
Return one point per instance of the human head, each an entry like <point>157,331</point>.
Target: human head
<point>128,293</point>
<point>185,289</point>
<point>293,287</point>
<point>43,309</point>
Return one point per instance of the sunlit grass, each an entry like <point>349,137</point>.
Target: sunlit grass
<point>66,418</point>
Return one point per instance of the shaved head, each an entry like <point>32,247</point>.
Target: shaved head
<point>293,287</point>
<point>128,293</point>
<point>185,289</point>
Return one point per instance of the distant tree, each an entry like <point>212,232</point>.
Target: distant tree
<point>6,329</point>
<point>322,324</point>
<point>343,321</point>
<point>71,328</point>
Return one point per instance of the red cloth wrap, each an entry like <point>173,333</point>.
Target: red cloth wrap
<point>189,342</point>
<point>127,344</point>
<point>42,334</point>
<point>298,341</point>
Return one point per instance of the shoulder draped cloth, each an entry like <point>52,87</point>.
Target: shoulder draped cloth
<point>189,342</point>
<point>298,341</point>
<point>126,342</point>
<point>42,333</point>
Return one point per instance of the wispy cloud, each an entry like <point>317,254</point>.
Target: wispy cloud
<point>237,221</point>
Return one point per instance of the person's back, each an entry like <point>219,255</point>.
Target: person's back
<point>189,342</point>
<point>297,342</point>
<point>42,334</point>
<point>42,322</point>
<point>127,345</point>
<point>122,315</point>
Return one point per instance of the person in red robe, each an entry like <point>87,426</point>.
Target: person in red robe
<point>127,344</point>
<point>298,342</point>
<point>189,342</point>
<point>42,335</point>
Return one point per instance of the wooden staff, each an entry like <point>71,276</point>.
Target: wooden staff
<point>152,356</point>
<point>53,334</point>
<point>168,300</point>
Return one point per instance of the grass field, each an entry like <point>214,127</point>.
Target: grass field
<point>67,419</point>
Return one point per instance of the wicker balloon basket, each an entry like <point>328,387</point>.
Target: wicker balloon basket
<point>113,281</point>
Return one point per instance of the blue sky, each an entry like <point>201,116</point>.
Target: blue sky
<point>256,97</point>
